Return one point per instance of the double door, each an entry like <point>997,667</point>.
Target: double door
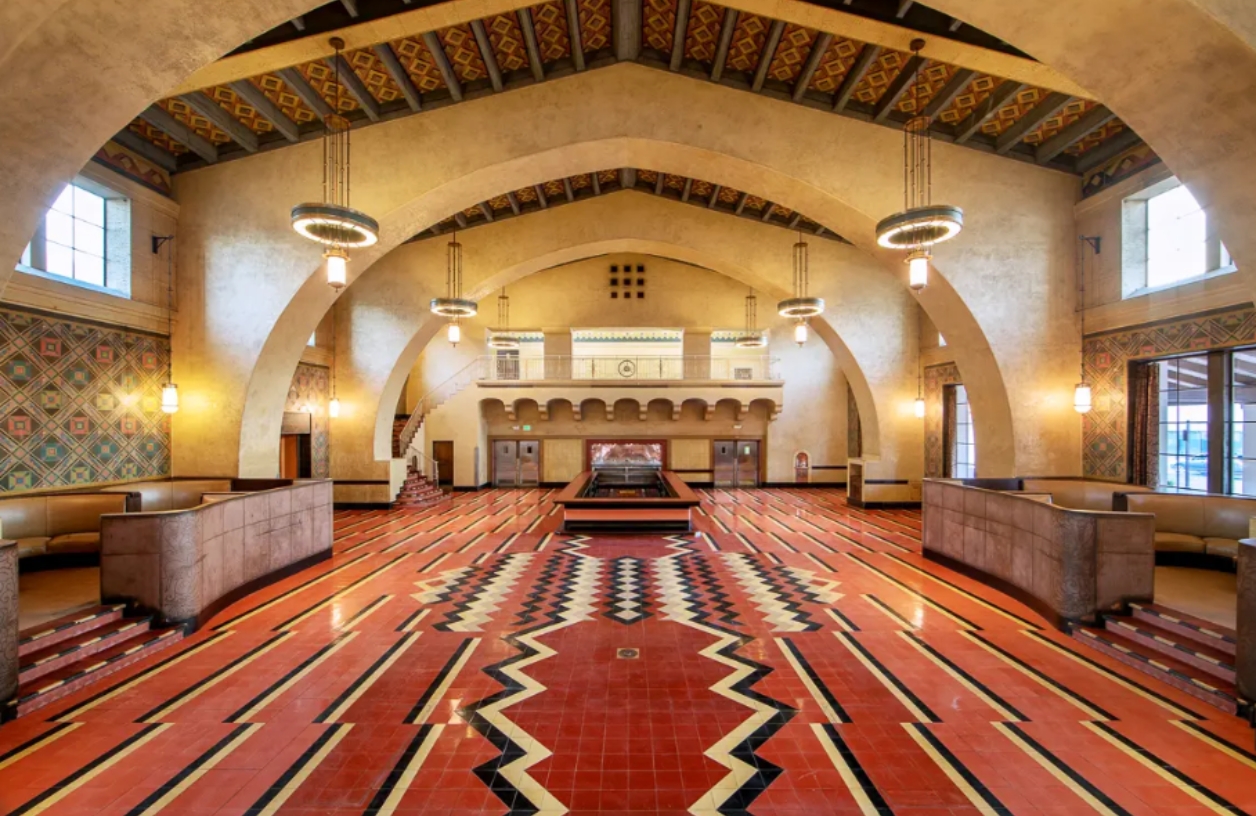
<point>516,463</point>
<point>736,463</point>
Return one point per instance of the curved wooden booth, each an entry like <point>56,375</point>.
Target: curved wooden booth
<point>663,505</point>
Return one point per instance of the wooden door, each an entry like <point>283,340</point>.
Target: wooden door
<point>443,453</point>
<point>289,456</point>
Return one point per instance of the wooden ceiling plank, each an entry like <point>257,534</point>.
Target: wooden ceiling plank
<point>570,193</point>
<point>442,64</point>
<point>627,178</point>
<point>293,78</point>
<point>514,202</point>
<point>224,121</point>
<point>540,196</point>
<point>679,31</point>
<point>999,97</point>
<point>943,98</point>
<point>768,207</point>
<point>298,22</point>
<point>399,75</point>
<point>867,57</point>
<point>818,49</point>
<point>268,110</point>
<point>529,40</point>
<point>658,183</point>
<point>461,220</point>
<point>715,197</point>
<point>627,27</point>
<point>1089,122</point>
<point>351,6</point>
<point>181,133</point>
<point>684,194</point>
<point>354,85</point>
<point>485,45</point>
<point>895,90</point>
<point>597,184</point>
<point>767,54</point>
<point>573,31</point>
<point>138,144</point>
<point>793,222</point>
<point>727,27</point>
<point>487,210</point>
<point>741,203</point>
<point>1106,151</point>
<point>1030,122</point>
<point>903,8</point>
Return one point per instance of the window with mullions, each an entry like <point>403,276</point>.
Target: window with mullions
<point>84,237</point>
<point>1243,423</point>
<point>964,457</point>
<point>1183,425</point>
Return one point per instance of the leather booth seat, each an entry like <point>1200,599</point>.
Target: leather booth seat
<point>1080,494</point>
<point>176,494</point>
<point>1186,523</point>
<point>58,524</point>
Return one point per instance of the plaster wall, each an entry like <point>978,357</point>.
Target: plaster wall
<point>249,273</point>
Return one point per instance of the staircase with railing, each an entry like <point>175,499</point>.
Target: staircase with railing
<point>416,459</point>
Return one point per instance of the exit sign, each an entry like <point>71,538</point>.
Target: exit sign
<point>527,427</point>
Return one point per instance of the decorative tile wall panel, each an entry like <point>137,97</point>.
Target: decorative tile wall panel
<point>311,391</point>
<point>703,35</point>
<point>936,378</point>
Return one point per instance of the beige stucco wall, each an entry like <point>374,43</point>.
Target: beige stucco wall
<point>838,171</point>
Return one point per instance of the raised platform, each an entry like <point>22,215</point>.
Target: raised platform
<point>629,508</point>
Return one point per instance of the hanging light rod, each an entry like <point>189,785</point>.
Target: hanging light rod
<point>501,338</point>
<point>801,306</point>
<point>751,337</point>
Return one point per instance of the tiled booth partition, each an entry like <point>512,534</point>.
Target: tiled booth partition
<point>187,564</point>
<point>1068,564</point>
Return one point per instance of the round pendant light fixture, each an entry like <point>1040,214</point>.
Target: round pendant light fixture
<point>751,337</point>
<point>501,338</point>
<point>921,224</point>
<point>453,306</point>
<point>800,332</point>
<point>332,222</point>
<point>801,306</point>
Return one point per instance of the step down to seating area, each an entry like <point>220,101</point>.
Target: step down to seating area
<point>418,492</point>
<point>1189,654</point>
<point>60,657</point>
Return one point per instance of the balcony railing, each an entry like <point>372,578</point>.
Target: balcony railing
<point>629,368</point>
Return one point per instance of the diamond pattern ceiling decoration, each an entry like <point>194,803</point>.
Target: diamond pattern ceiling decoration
<point>647,176</point>
<point>418,62</point>
<point>700,189</point>
<point>783,68</point>
<point>507,40</point>
<point>550,22</point>
<point>581,181</point>
<point>834,65</point>
<point>526,195</point>
<point>658,20</point>
<point>748,37</point>
<point>791,52</point>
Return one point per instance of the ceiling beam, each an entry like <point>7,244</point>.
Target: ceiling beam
<point>529,40</point>
<point>442,64</point>
<point>138,144</point>
<point>955,25</point>
<point>741,203</point>
<point>767,54</point>
<point>1030,122</point>
<point>487,210</point>
<point>225,122</point>
<point>540,196</point>
<point>181,133</point>
<point>867,56</point>
<point>715,197</point>
<point>1106,150</point>
<point>627,178</point>
<point>313,100</point>
<point>658,184</point>
<point>679,32</point>
<point>766,215</point>
<point>351,6</point>
<point>399,75</point>
<point>597,185</point>
<point>486,53</point>
<point>818,49</point>
<point>999,97</point>
<point>570,193</point>
<point>626,25</point>
<point>793,222</point>
<point>353,84</point>
<point>268,110</point>
<point>298,22</point>
<point>1087,123</point>
<point>943,98</point>
<point>903,8</point>
<point>514,202</point>
<point>895,90</point>
<point>684,194</point>
<point>726,39</point>
<point>460,219</point>
<point>573,31</point>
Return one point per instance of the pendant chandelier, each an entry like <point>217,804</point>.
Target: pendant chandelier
<point>751,337</point>
<point>502,338</point>
<point>332,222</point>
<point>922,223</point>
<point>453,306</point>
<point>801,306</point>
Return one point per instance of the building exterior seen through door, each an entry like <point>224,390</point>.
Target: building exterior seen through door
<point>443,453</point>
<point>516,463</point>
<point>736,462</point>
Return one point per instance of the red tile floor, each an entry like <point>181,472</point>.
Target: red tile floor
<point>799,657</point>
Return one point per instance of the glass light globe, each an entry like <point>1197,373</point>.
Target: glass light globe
<point>337,269</point>
<point>918,271</point>
<point>800,333</point>
<point>920,407</point>
<point>1081,398</point>
<point>169,398</point>
<point>455,334</point>
<point>333,408</point>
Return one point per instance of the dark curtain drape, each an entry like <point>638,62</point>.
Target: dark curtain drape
<point>949,431</point>
<point>1144,465</point>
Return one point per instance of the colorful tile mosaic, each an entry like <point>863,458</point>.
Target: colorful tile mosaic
<point>1105,427</point>
<point>79,403</point>
<point>936,377</point>
<point>311,390</point>
<point>133,166</point>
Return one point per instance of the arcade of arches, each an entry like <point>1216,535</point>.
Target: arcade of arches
<point>626,538</point>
